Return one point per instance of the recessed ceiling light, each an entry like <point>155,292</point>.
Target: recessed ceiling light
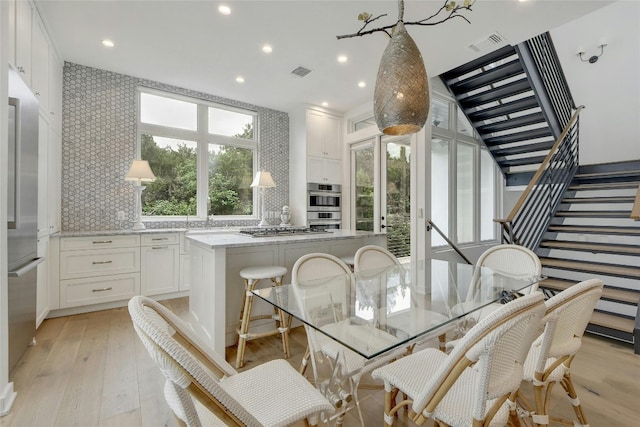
<point>362,84</point>
<point>342,58</point>
<point>267,48</point>
<point>240,79</point>
<point>224,10</point>
<point>325,104</point>
<point>107,43</point>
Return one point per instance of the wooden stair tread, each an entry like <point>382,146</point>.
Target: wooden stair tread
<point>608,214</point>
<point>615,294</point>
<point>595,229</point>
<point>617,199</point>
<point>605,185</point>
<point>606,174</point>
<point>592,246</point>
<point>612,322</point>
<point>607,269</point>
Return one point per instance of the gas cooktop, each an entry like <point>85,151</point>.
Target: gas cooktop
<point>280,231</point>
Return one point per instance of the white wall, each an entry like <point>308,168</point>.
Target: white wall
<point>610,88</point>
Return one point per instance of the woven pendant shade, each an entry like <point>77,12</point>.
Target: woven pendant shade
<point>401,97</point>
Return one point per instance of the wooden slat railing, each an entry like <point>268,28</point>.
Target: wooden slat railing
<point>530,216</point>
<point>635,210</point>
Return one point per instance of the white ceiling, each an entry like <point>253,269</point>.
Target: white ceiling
<point>189,44</point>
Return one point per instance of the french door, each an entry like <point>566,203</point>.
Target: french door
<point>381,190</point>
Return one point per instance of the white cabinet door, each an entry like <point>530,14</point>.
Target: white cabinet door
<point>54,165</point>
<point>23,40</point>
<point>40,65</point>
<point>315,124</point>
<point>55,91</point>
<point>324,171</point>
<point>43,177</point>
<point>11,25</point>
<point>333,137</point>
<point>160,269</point>
<point>42,288</point>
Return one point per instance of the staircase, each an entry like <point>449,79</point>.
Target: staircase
<point>592,235</point>
<point>509,103</point>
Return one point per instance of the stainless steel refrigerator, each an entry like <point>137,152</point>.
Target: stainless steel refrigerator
<point>22,216</point>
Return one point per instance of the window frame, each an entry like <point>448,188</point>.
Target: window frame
<point>203,139</point>
<point>454,138</point>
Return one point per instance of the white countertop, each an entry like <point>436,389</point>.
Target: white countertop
<point>230,239</point>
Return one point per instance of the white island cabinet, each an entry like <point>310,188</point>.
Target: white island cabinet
<point>216,260</point>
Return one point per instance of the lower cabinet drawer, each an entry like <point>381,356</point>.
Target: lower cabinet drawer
<point>77,292</point>
<point>78,264</point>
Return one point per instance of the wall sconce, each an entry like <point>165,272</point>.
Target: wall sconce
<point>262,181</point>
<point>140,172</point>
<point>594,58</point>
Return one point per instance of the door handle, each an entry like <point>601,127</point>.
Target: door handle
<point>26,268</point>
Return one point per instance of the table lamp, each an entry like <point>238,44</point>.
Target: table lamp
<point>140,172</point>
<point>262,181</point>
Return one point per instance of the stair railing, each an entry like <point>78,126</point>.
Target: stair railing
<point>635,210</point>
<point>532,213</point>
<point>431,225</point>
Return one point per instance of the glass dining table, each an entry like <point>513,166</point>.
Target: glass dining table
<point>364,319</point>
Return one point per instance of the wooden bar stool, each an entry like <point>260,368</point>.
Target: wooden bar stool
<point>251,276</point>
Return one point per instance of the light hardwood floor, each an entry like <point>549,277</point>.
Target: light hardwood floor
<point>92,370</point>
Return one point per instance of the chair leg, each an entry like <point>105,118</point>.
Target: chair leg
<point>388,404</point>
<point>283,323</point>
<point>244,326</point>
<point>540,416</point>
<point>567,384</point>
<point>305,361</point>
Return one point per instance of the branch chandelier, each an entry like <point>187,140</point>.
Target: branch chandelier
<point>401,96</point>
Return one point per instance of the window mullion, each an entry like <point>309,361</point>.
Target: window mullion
<point>202,191</point>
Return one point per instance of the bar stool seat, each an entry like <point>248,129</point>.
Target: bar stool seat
<point>251,276</point>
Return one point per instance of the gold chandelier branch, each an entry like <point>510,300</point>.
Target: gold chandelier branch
<point>451,7</point>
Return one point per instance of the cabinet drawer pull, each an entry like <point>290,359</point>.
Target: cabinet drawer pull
<point>103,289</point>
<point>101,262</point>
<point>160,238</point>
<point>102,242</point>
<point>159,247</point>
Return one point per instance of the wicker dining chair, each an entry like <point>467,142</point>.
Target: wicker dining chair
<point>309,275</point>
<point>471,385</point>
<point>549,360</point>
<point>506,259</point>
<point>202,389</point>
<point>374,258</point>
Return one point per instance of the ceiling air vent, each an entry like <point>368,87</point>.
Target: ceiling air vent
<point>489,42</point>
<point>300,71</point>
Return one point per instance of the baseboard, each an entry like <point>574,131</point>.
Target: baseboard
<point>7,398</point>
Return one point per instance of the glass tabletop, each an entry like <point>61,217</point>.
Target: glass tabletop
<point>376,311</point>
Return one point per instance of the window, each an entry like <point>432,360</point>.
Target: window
<point>203,156</point>
<point>463,177</point>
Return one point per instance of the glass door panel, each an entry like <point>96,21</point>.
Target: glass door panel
<point>440,189</point>
<point>364,187</point>
<point>464,199</point>
<point>396,199</point>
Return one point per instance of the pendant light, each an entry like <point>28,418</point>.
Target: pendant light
<point>401,97</point>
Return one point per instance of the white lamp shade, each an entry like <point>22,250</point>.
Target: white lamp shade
<point>263,179</point>
<point>140,171</point>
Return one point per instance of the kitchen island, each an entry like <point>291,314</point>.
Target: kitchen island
<point>217,258</point>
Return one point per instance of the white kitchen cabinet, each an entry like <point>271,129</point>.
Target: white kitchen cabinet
<point>323,135</point>
<point>42,289</point>
<point>55,91</point>
<point>40,64</point>
<point>43,177</point>
<point>160,271</point>
<point>324,171</point>
<point>24,16</point>
<point>54,183</point>
<point>98,269</point>
<point>11,26</point>
<point>185,263</point>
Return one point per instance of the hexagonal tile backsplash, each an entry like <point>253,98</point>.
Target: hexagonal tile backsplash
<point>99,142</point>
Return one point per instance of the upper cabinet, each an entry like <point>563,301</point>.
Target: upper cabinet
<point>24,18</point>
<point>40,64</point>
<point>324,135</point>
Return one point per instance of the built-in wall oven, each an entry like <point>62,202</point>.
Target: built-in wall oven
<point>324,203</point>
